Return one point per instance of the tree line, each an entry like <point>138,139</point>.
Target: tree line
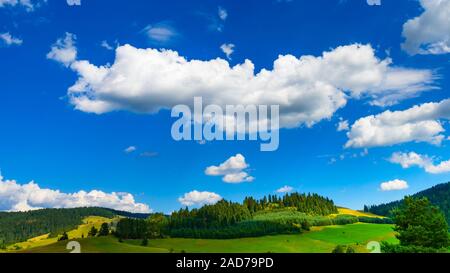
<point>21,226</point>
<point>438,196</point>
<point>313,204</point>
<point>226,219</point>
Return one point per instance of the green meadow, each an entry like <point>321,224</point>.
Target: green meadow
<point>318,240</point>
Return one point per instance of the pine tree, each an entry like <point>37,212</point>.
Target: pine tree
<point>419,223</point>
<point>64,237</point>
<point>93,232</point>
<point>104,230</point>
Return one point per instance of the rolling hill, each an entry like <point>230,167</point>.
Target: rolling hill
<point>318,240</point>
<point>78,233</point>
<point>21,226</point>
<point>438,195</point>
<point>317,232</point>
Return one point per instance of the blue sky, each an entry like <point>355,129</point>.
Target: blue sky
<point>49,138</point>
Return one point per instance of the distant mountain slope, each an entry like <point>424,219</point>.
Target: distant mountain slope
<point>21,226</point>
<point>130,214</point>
<point>80,232</point>
<point>438,195</point>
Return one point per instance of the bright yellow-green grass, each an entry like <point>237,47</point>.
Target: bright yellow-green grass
<point>319,240</point>
<point>108,244</point>
<point>82,230</point>
<point>356,213</point>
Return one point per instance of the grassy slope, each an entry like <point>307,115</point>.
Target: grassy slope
<point>319,240</point>
<point>97,245</point>
<point>357,213</point>
<point>82,230</point>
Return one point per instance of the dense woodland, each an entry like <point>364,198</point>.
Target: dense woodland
<point>292,213</point>
<point>20,226</point>
<point>312,204</point>
<point>438,196</point>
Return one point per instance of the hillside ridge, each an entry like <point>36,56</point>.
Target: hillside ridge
<point>438,195</point>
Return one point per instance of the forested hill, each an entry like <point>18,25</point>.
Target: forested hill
<point>438,196</point>
<point>21,226</point>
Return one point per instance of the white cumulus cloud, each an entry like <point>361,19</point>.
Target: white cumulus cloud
<point>408,160</point>
<point>308,89</point>
<point>285,189</point>
<point>130,149</point>
<point>8,39</point>
<point>343,125</point>
<point>429,33</point>
<point>228,49</point>
<point>394,185</point>
<point>64,50</point>
<point>24,197</point>
<point>232,170</point>
<point>199,198</point>
<point>420,123</point>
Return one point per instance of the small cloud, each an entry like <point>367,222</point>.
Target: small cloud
<point>130,149</point>
<point>74,2</point>
<point>161,32</point>
<point>223,14</point>
<point>285,189</point>
<point>9,40</point>
<point>106,45</point>
<point>64,50</point>
<point>199,198</point>
<point>394,185</point>
<point>343,126</point>
<point>233,170</point>
<point>228,49</point>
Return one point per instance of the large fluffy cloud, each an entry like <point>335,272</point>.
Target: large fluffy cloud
<point>17,197</point>
<point>199,198</point>
<point>420,123</point>
<point>408,160</point>
<point>429,33</point>
<point>233,170</point>
<point>308,89</point>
